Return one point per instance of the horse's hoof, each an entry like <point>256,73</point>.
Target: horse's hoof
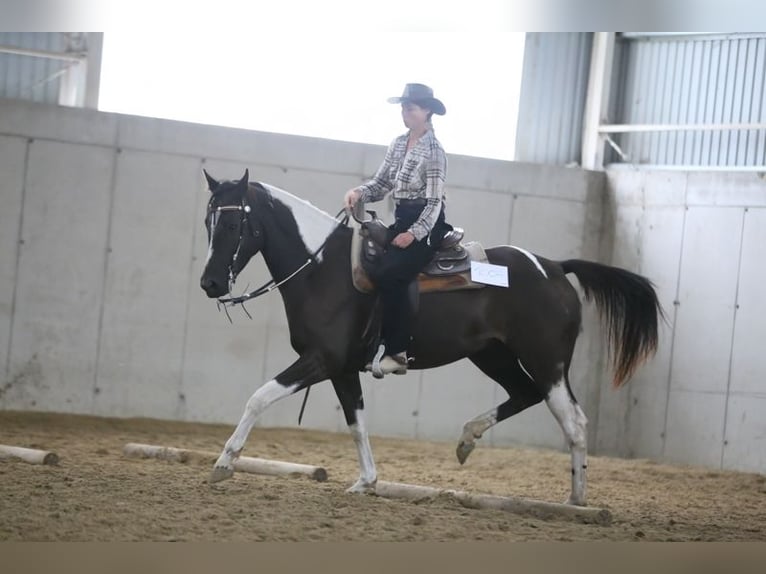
<point>360,487</point>
<point>463,450</point>
<point>220,473</point>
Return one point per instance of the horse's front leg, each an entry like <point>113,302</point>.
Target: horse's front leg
<point>349,391</point>
<point>306,371</point>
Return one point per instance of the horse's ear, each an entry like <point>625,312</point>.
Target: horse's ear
<point>245,178</point>
<point>211,182</point>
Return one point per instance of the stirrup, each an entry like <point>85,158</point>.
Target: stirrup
<point>377,372</point>
<point>390,364</point>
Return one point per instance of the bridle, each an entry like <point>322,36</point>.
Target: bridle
<point>270,285</point>
<point>214,212</point>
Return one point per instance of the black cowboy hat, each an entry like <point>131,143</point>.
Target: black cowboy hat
<point>421,95</point>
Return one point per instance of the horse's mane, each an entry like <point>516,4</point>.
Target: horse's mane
<point>294,215</point>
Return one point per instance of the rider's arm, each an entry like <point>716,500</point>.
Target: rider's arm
<point>383,180</point>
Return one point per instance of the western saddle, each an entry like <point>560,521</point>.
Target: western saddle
<point>449,270</point>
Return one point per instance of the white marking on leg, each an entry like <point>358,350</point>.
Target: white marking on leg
<point>473,430</point>
<point>532,258</point>
<point>267,394</point>
<point>368,475</point>
<point>574,424</point>
<point>477,426</point>
<point>523,369</point>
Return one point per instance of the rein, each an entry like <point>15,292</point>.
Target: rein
<point>271,284</point>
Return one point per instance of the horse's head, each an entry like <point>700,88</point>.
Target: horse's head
<point>234,234</point>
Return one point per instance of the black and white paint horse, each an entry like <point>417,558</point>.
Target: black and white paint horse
<point>522,336</point>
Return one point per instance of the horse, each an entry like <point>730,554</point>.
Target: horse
<point>521,336</point>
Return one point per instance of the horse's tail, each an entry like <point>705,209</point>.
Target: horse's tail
<point>628,304</point>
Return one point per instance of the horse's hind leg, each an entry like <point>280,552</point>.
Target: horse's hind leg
<point>497,362</point>
<point>574,423</point>
<point>301,374</point>
<point>349,391</point>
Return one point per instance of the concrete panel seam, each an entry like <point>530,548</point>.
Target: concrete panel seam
<point>190,285</point>
<point>104,275</point>
<point>182,154</point>
<point>747,394</point>
<point>733,333</point>
<point>593,419</point>
<point>511,192</point>
<point>19,241</point>
<point>640,241</point>
<point>418,398</point>
<point>510,218</point>
<point>675,321</point>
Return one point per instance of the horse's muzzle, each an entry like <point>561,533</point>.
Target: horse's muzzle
<point>212,288</point>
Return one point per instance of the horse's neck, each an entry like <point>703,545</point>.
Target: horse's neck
<point>296,233</point>
<point>311,272</point>
<point>284,254</point>
<point>309,294</point>
<point>314,225</point>
<point>322,295</point>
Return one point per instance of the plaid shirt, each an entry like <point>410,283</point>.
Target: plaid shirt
<point>417,174</point>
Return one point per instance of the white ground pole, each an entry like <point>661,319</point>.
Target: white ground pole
<point>242,464</point>
<point>399,490</point>
<point>30,455</point>
<point>538,508</point>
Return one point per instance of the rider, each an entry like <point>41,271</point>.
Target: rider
<point>414,169</point>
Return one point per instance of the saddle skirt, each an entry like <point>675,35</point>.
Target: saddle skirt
<point>449,270</point>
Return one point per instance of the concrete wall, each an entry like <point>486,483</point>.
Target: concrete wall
<point>701,236</point>
<point>102,245</point>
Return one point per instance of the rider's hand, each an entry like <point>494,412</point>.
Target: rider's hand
<point>403,240</point>
<point>352,196</point>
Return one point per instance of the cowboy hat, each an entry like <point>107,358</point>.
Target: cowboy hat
<point>421,95</point>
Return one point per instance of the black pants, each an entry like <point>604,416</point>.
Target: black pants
<point>398,268</point>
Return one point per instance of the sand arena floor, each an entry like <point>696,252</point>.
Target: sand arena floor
<point>97,494</point>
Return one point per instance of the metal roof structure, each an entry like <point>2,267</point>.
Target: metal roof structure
<point>51,67</point>
<point>690,101</point>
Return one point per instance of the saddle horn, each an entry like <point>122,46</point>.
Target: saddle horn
<point>357,212</point>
